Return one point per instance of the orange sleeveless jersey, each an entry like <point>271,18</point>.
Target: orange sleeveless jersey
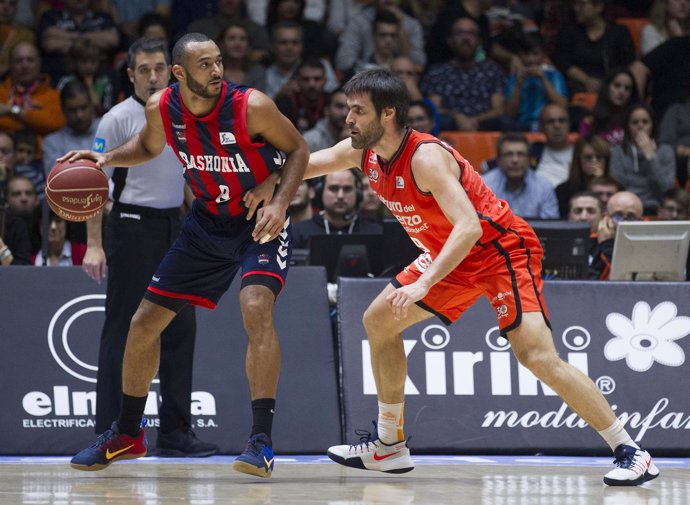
<point>418,212</point>
<point>506,271</point>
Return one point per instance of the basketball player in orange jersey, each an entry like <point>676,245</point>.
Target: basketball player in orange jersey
<point>472,245</point>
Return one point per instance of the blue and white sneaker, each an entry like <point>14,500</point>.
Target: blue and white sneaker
<point>257,457</point>
<point>633,467</point>
<point>372,454</point>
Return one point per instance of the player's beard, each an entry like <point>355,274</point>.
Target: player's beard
<point>368,137</point>
<point>199,89</point>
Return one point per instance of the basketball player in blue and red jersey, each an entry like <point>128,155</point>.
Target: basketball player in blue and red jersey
<point>472,245</point>
<point>229,138</point>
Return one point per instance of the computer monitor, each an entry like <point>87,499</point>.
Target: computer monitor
<point>398,249</point>
<point>566,248</point>
<point>650,250</point>
<point>346,255</point>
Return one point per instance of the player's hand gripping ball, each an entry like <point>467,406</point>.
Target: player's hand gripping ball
<point>77,190</point>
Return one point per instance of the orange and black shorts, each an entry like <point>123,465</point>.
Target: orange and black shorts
<point>507,271</point>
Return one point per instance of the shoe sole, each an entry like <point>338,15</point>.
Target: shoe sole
<point>242,467</point>
<point>641,480</point>
<point>359,464</point>
<point>96,467</point>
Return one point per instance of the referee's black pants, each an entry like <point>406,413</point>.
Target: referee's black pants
<point>136,239</point>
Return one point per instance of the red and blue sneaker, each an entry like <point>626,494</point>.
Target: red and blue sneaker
<point>257,457</point>
<point>111,446</point>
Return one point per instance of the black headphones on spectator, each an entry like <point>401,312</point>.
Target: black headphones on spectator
<point>320,185</point>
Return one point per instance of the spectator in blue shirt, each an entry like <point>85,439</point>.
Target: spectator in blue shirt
<point>529,194</point>
<point>534,84</point>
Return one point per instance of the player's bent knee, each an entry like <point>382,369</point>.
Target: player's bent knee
<point>256,305</point>
<point>371,317</point>
<point>150,319</point>
<point>255,301</point>
<point>541,363</point>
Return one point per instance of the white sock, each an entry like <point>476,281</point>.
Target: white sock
<point>390,425</point>
<point>616,435</point>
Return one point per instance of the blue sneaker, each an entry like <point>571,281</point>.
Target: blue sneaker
<point>633,467</point>
<point>257,457</point>
<point>111,446</point>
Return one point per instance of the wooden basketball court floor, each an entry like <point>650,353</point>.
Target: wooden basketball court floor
<point>305,480</point>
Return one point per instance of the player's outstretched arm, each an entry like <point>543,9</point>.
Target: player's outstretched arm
<point>142,147</point>
<point>265,120</point>
<point>339,157</point>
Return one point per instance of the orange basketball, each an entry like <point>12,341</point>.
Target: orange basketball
<point>77,190</point>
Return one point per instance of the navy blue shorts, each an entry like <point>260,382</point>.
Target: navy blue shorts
<point>202,262</point>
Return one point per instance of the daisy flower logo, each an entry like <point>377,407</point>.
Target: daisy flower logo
<point>648,337</point>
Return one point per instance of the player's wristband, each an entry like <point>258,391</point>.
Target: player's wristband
<point>5,253</point>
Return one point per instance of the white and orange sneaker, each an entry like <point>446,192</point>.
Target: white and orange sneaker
<point>372,454</point>
<point>633,467</point>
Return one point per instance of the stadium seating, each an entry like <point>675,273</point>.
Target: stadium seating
<point>634,26</point>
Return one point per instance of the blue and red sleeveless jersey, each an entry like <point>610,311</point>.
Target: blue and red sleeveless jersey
<point>221,161</point>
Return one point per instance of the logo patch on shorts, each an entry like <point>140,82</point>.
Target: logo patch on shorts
<point>264,259</point>
<point>502,311</point>
<point>501,295</point>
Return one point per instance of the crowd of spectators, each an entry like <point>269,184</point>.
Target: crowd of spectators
<point>583,106</point>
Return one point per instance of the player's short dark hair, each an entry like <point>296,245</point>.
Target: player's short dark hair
<point>148,46</point>
<point>385,89</point>
<point>180,47</point>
